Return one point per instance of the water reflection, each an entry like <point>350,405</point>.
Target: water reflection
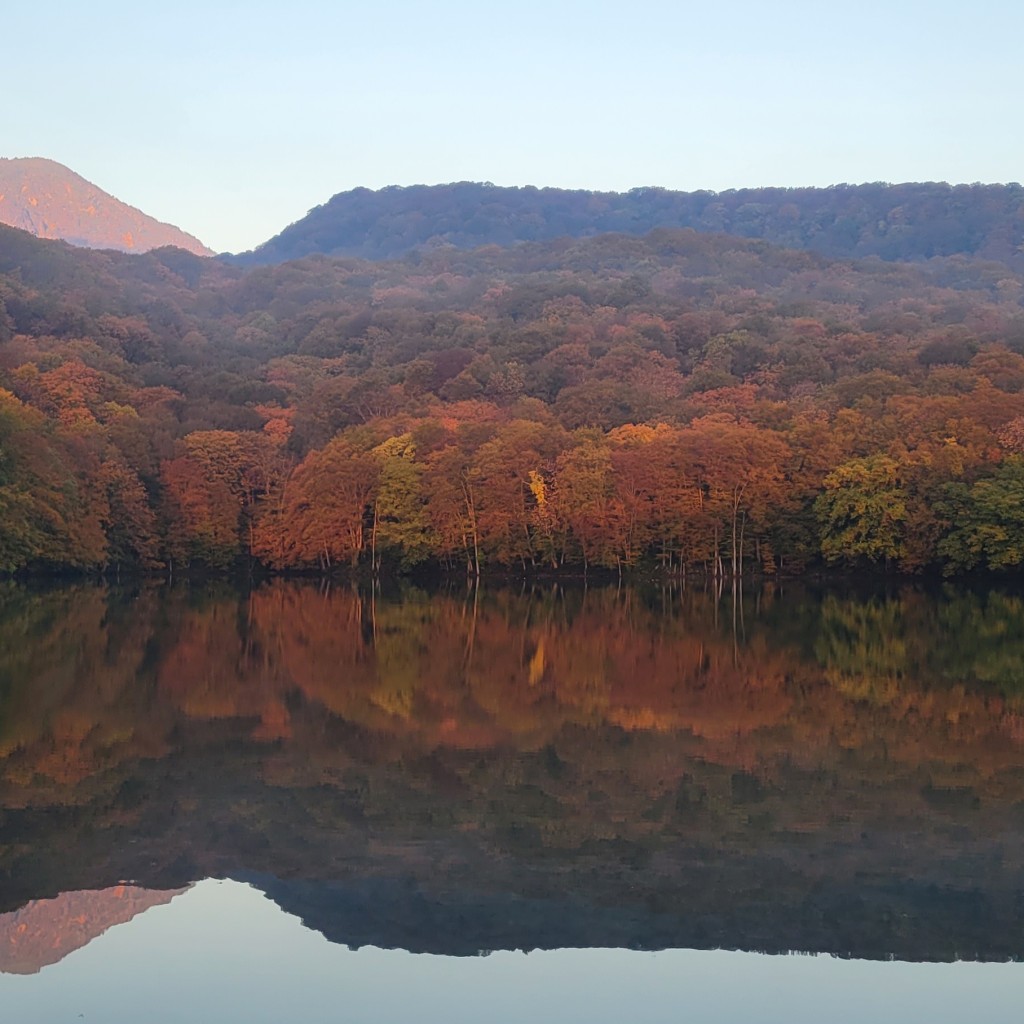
<point>552,767</point>
<point>223,953</point>
<point>43,932</point>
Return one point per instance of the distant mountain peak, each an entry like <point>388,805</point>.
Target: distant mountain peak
<point>50,200</point>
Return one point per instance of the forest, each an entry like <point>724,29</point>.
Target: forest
<point>676,403</point>
<point>895,222</point>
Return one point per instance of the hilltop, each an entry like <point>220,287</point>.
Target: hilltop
<point>894,222</point>
<point>49,200</point>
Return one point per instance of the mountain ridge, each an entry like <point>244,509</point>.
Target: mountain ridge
<point>910,221</point>
<point>52,201</point>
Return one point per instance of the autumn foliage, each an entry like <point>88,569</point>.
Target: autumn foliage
<point>676,402</point>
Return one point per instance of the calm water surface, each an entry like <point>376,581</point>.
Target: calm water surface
<point>295,802</point>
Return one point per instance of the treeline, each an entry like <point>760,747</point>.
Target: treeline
<point>896,222</point>
<point>679,402</point>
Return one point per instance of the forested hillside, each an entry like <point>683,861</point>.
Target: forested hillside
<point>677,402</point>
<point>895,222</point>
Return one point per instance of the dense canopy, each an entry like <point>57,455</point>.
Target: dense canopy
<point>896,222</point>
<point>678,401</point>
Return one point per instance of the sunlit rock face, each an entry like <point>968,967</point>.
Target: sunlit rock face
<point>45,931</point>
<point>48,200</point>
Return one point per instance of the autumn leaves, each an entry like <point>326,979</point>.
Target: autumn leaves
<point>514,494</point>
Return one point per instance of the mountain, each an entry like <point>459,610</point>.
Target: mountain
<point>45,931</point>
<point>48,200</point>
<point>895,222</point>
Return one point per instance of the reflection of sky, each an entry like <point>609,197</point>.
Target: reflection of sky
<point>224,953</point>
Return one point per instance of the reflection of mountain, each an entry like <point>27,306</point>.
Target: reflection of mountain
<point>45,931</point>
<point>599,768</point>
<point>755,903</point>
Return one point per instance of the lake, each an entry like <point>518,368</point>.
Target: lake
<point>318,802</point>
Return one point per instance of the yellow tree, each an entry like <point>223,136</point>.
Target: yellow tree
<point>584,497</point>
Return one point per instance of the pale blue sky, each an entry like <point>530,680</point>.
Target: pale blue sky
<point>232,119</point>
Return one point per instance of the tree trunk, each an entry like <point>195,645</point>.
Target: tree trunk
<point>743,528</point>
<point>373,542</point>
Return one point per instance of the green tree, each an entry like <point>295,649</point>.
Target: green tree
<point>401,522</point>
<point>988,520</point>
<point>862,511</point>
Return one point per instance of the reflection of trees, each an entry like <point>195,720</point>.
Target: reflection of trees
<point>871,648</point>
<point>503,668</point>
<point>96,678</point>
<point>984,640</point>
<point>863,646</point>
<point>111,677</point>
<point>74,690</point>
<point>598,735</point>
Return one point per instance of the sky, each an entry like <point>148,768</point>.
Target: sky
<point>232,119</point>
